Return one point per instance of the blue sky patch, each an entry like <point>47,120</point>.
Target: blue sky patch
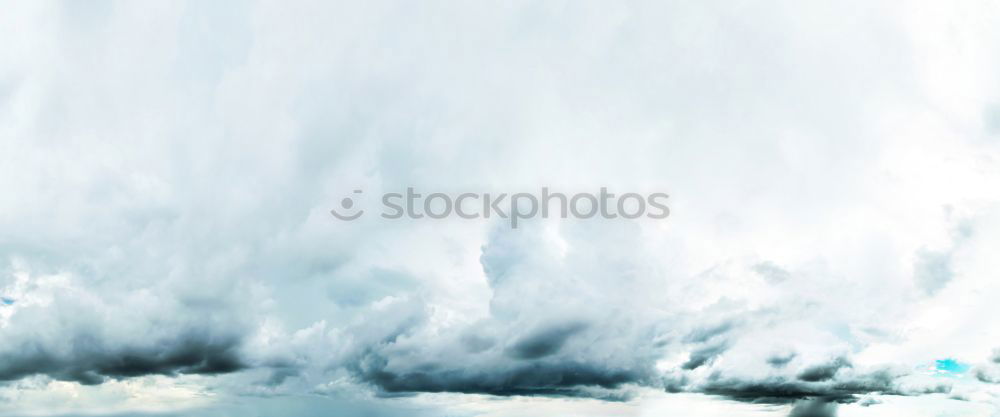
<point>950,367</point>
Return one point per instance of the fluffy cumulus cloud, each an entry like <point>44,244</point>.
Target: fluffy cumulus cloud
<point>167,172</point>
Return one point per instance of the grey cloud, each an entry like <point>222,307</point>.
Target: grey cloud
<point>771,272</point>
<point>814,408</point>
<point>72,327</point>
<point>991,118</point>
<point>781,390</point>
<point>475,343</point>
<point>530,348</point>
<point>544,342</point>
<point>188,152</point>
<point>932,270</point>
<point>562,346</point>
<point>534,364</point>
<point>564,378</point>
<point>868,402</point>
<point>704,355</point>
<point>825,371</point>
<point>779,361</point>
<point>674,383</point>
<point>772,391</point>
<point>987,374</point>
<point>280,374</point>
<point>703,334</point>
<point>712,343</point>
<point>90,361</point>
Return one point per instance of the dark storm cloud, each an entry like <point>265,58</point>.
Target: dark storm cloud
<point>703,356</point>
<point>89,361</point>
<point>825,371</point>
<point>772,391</point>
<point>714,344</point>
<point>532,378</point>
<point>779,390</point>
<point>539,362</point>
<point>544,342</point>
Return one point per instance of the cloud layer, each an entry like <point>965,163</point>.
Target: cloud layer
<point>167,171</point>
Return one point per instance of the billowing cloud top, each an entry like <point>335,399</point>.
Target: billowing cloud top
<point>167,173</point>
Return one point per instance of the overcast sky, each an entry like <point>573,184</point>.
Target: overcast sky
<point>167,171</point>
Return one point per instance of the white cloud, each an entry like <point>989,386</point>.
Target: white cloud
<point>167,169</point>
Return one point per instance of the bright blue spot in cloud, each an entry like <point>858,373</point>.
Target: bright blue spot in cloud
<point>950,367</point>
<point>6,301</point>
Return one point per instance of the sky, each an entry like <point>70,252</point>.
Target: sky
<point>167,172</point>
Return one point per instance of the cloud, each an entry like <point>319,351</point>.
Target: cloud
<point>59,327</point>
<point>783,390</point>
<point>544,342</point>
<point>814,408</point>
<point>552,378</point>
<point>825,371</point>
<point>519,347</point>
<point>933,270</point>
<point>90,363</point>
<point>779,361</point>
<point>703,355</point>
<point>989,372</point>
<point>167,176</point>
<point>771,272</point>
<point>705,334</point>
